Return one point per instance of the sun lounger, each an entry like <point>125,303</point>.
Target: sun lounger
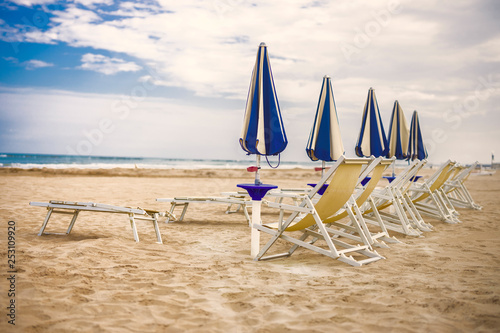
<point>307,219</point>
<point>240,200</point>
<point>74,208</point>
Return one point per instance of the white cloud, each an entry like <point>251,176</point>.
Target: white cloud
<point>91,3</point>
<point>87,3</point>
<point>34,64</point>
<point>106,65</point>
<point>413,53</point>
<point>210,49</point>
<point>11,60</point>
<point>29,3</point>
<point>76,15</point>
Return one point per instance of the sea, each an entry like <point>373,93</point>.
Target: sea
<point>33,161</point>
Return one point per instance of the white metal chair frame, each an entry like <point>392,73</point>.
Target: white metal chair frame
<point>74,208</point>
<point>318,230</point>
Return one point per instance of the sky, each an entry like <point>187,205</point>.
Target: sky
<point>170,78</point>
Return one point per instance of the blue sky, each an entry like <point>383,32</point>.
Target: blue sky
<point>170,78</point>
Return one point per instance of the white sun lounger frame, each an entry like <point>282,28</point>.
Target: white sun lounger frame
<point>241,201</point>
<point>74,208</point>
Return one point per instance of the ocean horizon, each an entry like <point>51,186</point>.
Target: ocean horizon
<point>57,161</point>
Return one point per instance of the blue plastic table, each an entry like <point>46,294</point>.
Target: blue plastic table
<point>257,192</point>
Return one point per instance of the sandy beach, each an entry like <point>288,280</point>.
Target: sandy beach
<point>202,279</point>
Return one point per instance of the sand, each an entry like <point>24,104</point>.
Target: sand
<point>202,279</point>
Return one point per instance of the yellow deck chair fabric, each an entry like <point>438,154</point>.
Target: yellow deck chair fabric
<point>336,195</point>
<point>405,217</point>
<point>375,177</point>
<point>429,198</point>
<point>443,176</point>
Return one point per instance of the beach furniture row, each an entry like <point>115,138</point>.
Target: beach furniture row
<point>346,215</point>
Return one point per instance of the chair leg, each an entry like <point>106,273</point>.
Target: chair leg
<point>326,235</point>
<point>73,220</point>
<point>134,228</point>
<point>247,216</point>
<point>236,210</point>
<point>184,210</point>
<point>361,228</point>
<point>157,230</point>
<point>42,229</point>
<point>377,216</point>
<point>170,213</point>
<point>415,211</point>
<point>267,246</point>
<point>302,238</point>
<point>405,223</point>
<point>417,223</point>
<point>443,210</point>
<point>470,199</point>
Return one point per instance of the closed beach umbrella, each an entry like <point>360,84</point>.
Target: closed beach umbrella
<point>263,132</point>
<point>416,147</point>
<point>372,139</point>
<point>325,142</point>
<point>399,133</point>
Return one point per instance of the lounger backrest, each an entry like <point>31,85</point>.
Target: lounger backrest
<point>436,181</point>
<point>458,173</point>
<point>469,171</point>
<point>375,178</point>
<point>403,177</point>
<point>408,182</point>
<point>444,176</point>
<point>340,189</point>
<point>366,192</point>
<point>402,182</point>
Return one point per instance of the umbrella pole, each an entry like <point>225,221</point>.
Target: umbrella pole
<point>256,205</point>
<point>257,173</point>
<point>256,192</point>
<point>322,169</point>
<point>255,233</point>
<point>394,168</point>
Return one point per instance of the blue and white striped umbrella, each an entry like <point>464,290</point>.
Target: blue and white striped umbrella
<point>263,132</point>
<point>325,142</point>
<point>416,147</point>
<point>399,133</point>
<point>372,139</point>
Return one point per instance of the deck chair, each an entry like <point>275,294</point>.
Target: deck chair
<point>389,206</point>
<point>240,200</point>
<point>74,208</point>
<point>430,200</point>
<point>307,219</point>
<point>361,196</point>
<point>373,171</point>
<point>455,189</point>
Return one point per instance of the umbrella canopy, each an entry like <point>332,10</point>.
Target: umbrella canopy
<point>263,132</point>
<point>416,147</point>
<point>399,133</point>
<point>372,139</point>
<point>325,142</point>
